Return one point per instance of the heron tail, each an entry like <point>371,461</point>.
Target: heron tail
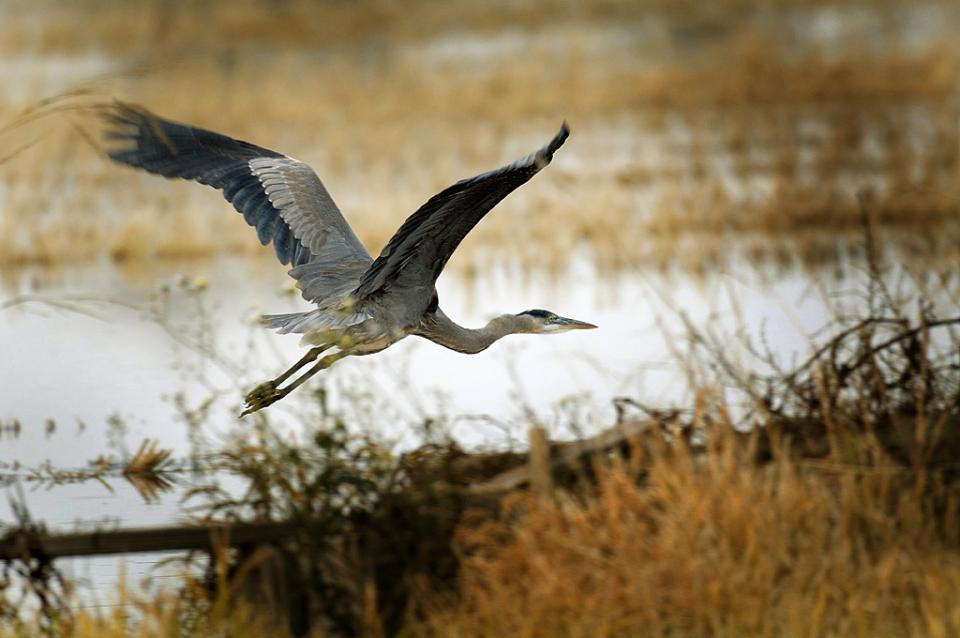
<point>296,322</point>
<point>319,320</point>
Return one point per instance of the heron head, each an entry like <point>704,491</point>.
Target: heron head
<point>545,322</point>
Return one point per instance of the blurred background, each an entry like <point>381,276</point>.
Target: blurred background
<point>723,158</point>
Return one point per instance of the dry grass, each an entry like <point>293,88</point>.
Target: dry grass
<point>711,546</point>
<point>673,541</point>
<point>188,613</point>
<point>683,138</point>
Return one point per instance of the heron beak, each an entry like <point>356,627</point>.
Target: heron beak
<point>573,324</point>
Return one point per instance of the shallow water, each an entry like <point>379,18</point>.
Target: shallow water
<point>126,346</point>
<point>120,351</point>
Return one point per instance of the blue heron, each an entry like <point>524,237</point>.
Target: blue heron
<point>363,305</point>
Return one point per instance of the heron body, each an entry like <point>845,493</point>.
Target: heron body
<point>362,305</point>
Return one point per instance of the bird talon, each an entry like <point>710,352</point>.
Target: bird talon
<point>261,396</point>
<point>264,389</point>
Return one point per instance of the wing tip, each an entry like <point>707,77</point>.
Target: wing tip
<point>546,153</point>
<point>123,127</point>
<point>117,113</point>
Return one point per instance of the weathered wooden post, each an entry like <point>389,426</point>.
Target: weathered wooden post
<point>541,479</point>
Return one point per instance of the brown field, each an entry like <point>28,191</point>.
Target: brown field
<point>691,133</point>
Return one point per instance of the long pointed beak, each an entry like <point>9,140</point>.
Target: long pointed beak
<point>573,324</point>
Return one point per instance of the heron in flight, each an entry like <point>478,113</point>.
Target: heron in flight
<point>363,305</point>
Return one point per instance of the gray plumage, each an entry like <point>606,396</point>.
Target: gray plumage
<point>362,305</point>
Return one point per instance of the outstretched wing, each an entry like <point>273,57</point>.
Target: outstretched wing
<point>282,198</point>
<point>418,251</point>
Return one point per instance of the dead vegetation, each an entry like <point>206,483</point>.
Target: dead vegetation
<point>711,544</point>
<point>728,129</point>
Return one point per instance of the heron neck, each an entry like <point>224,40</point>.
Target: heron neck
<point>440,329</point>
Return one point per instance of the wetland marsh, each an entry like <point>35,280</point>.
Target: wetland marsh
<point>745,172</point>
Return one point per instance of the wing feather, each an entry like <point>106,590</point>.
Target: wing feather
<point>418,251</point>
<point>280,197</point>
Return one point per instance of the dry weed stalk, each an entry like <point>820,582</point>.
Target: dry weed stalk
<point>148,469</point>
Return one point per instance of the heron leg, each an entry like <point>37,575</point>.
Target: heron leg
<point>269,387</point>
<point>312,354</point>
<point>268,393</point>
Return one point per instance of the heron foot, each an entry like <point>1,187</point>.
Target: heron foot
<point>261,396</point>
